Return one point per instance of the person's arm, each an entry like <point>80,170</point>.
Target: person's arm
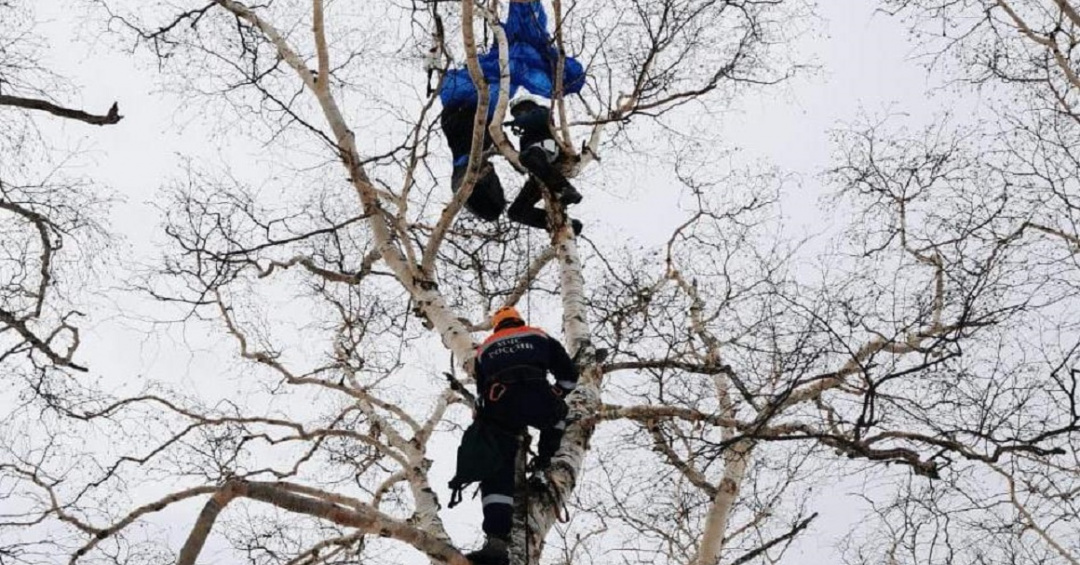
<point>480,376</point>
<point>562,367</point>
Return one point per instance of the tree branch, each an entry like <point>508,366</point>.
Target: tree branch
<point>112,117</point>
<point>777,540</point>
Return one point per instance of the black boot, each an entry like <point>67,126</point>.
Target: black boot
<point>569,195</point>
<point>496,551</point>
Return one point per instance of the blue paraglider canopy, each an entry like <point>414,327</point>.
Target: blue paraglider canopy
<point>533,62</point>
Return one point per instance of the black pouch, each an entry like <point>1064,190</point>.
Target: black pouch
<point>479,457</point>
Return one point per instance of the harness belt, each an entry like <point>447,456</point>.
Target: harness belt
<point>519,374</point>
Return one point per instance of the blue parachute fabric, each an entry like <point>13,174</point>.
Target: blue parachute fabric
<point>526,23</point>
<point>533,60</point>
<point>458,90</point>
<point>533,57</point>
<point>533,70</point>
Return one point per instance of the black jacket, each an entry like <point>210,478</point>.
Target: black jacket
<point>523,353</point>
<point>534,124</point>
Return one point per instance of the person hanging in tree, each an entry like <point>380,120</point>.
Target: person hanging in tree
<point>539,153</point>
<point>533,61</point>
<point>514,393</point>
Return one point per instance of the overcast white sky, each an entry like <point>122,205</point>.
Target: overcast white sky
<point>866,68</point>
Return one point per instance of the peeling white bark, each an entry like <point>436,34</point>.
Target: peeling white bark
<point>716,523</point>
<point>575,317</point>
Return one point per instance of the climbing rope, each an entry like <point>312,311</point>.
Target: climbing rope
<point>528,260</point>
<point>528,514</point>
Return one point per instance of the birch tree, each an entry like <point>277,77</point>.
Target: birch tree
<point>743,368</point>
<point>1015,175</point>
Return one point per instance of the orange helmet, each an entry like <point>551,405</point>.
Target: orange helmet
<point>505,313</point>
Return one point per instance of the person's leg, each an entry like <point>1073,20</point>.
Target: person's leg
<point>487,200</point>
<point>535,159</point>
<point>457,126</point>
<point>523,209</point>
<point>551,436</point>
<point>537,406</point>
<point>550,439</point>
<point>498,502</point>
<point>498,491</point>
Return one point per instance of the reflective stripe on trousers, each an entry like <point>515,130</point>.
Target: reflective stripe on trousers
<point>497,499</point>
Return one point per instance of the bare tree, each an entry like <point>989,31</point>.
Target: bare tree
<point>930,344</point>
<point>1012,180</point>
<point>46,217</point>
<point>24,82</point>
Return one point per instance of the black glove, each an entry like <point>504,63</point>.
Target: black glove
<point>539,464</point>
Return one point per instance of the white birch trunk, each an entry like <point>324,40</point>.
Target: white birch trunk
<point>716,523</point>
<point>585,401</point>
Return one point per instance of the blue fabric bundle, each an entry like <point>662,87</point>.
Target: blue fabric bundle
<point>533,60</point>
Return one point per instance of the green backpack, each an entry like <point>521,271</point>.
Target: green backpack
<point>479,457</point>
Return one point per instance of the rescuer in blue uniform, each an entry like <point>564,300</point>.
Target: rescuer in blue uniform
<point>511,379</point>
<point>533,61</point>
